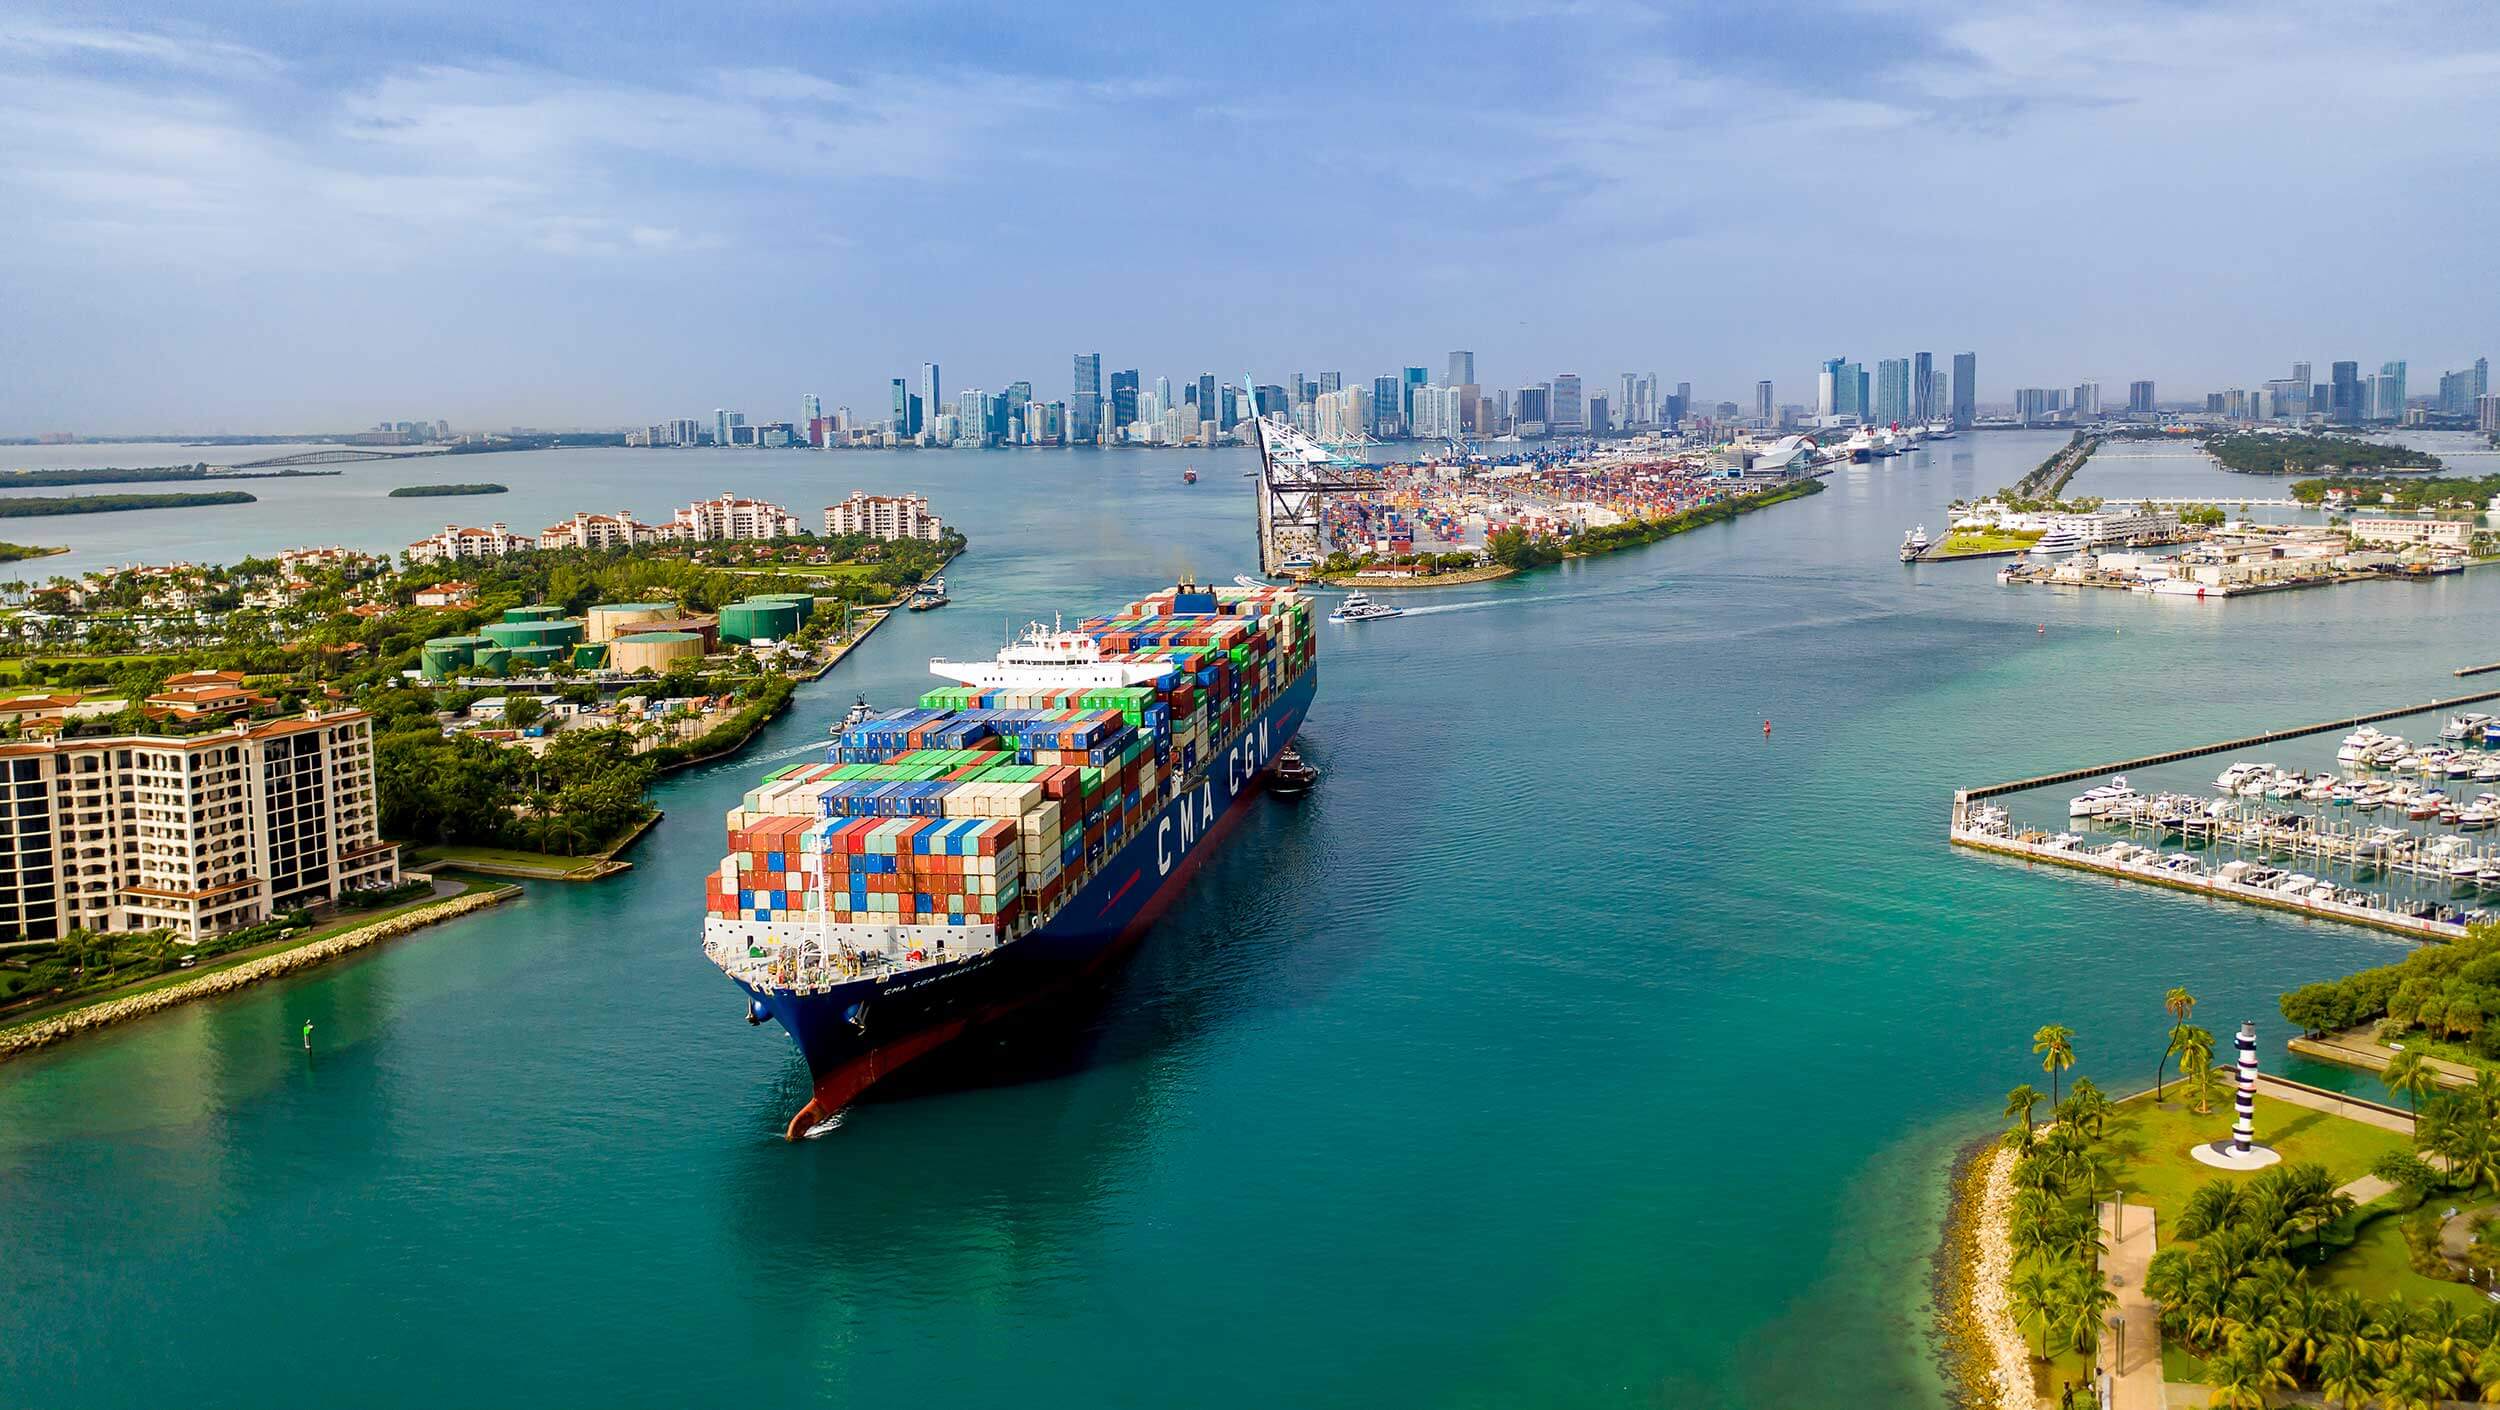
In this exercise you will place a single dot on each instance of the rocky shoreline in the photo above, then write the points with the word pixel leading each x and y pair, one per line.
pixel 1979 1343
pixel 28 1037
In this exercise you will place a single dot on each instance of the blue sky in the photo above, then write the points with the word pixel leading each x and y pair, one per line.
pixel 251 217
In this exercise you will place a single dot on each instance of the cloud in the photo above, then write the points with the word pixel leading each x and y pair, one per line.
pixel 30 37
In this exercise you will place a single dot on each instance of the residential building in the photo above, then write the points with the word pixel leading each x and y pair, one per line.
pixel 454 593
pixel 884 517
pixel 202 695
pixel 1892 391
pixel 196 834
pixel 2140 398
pixel 1567 413
pixel 2371 529
pixel 1124 397
pixel 1085 400
pixel 1923 386
pixel 733 517
pixel 1762 401
pixel 1965 389
pixel 456 542
pixel 2344 406
pixel 1388 397
pixel 599 531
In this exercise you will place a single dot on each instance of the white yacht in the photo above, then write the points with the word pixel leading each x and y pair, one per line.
pixel 1914 544
pixel 1940 430
pixel 1358 608
pixel 2061 538
pixel 2093 802
pixel 2464 727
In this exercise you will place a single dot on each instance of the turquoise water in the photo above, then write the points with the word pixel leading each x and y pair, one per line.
pixel 1573 1044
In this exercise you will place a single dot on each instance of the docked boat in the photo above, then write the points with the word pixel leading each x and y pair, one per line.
pixel 1359 608
pixel 2465 728
pixel 1914 544
pixel 1940 430
pixel 2061 538
pixel 931 594
pixel 2093 802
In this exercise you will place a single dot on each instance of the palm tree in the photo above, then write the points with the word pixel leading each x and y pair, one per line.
pixel 2206 1081
pixel 2196 1057
pixel 2487 1376
pixel 2088 1108
pixel 2180 1003
pixel 2241 1374
pixel 2409 1075
pixel 2081 1299
pixel 2035 1296
pixel 2019 1103
pixel 2347 1373
pixel 2055 1043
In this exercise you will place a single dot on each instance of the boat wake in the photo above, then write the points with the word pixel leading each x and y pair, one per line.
pixel 824 1127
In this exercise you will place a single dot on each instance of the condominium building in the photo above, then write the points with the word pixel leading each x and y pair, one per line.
pixel 587 530
pixel 197 835
pixel 884 517
pixel 455 542
pixel 731 517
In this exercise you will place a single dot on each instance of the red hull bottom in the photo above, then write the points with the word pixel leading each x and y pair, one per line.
pixel 842 1086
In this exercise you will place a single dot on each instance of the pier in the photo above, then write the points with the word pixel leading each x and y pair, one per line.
pixel 1993 831
pixel 2218 502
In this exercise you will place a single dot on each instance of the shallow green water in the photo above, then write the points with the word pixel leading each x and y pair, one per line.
pixel 1574 1044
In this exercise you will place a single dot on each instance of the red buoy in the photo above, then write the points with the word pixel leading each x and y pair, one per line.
pixel 1766 729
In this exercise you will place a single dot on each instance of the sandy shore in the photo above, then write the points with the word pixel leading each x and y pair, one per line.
pixel 1983 1346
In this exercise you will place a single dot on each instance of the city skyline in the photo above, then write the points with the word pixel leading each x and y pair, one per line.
pixel 239 221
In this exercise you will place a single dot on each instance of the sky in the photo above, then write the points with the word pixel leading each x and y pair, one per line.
pixel 281 216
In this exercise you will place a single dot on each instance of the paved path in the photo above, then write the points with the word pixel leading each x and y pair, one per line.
pixel 2358 1047
pixel 2138 1380
pixel 2275 1089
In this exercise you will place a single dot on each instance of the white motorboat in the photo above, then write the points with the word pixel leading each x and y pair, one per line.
pixel 1358 608
pixel 1914 544
pixel 2093 802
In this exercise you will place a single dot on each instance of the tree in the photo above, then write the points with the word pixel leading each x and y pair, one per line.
pixel 2018 1104
pixel 2347 1373
pixel 2179 1003
pixel 2409 1075
pixel 2035 1300
pixel 2409 1173
pixel 2055 1043
pixel 2081 1297
pixel 2242 1374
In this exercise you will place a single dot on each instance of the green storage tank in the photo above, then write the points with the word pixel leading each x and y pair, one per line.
pixel 537 658
pixel 491 660
pixel 511 634
pixel 446 656
pixel 804 601
pixel 543 612
pixel 758 620
pixel 590 656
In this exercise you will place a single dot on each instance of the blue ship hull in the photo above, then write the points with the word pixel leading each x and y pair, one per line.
pixel 855 1034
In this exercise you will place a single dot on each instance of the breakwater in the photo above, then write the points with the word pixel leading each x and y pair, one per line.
pixel 25 1038
pixel 2049 480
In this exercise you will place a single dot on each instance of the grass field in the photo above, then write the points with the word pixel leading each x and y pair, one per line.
pixel 2151 1144
pixel 2378 1262
pixel 547 862
pixel 1967 541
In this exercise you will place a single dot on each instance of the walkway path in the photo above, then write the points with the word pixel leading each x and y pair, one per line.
pixel 2138 1377
pixel 2359 1048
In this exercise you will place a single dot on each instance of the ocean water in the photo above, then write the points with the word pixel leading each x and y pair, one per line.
pixel 1575 1043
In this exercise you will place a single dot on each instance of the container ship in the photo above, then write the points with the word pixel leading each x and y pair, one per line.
pixel 949 864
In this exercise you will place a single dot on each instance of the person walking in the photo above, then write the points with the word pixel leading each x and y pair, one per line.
pixel 308 1035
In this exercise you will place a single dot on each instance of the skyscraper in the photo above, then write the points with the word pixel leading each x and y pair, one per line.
pixel 931 395
pixel 720 424
pixel 2391 380
pixel 811 409
pixel 901 420
pixel 1387 398
pixel 1123 397
pixel 1462 369
pixel 1085 399
pixel 1208 410
pixel 1965 389
pixel 2139 398
pixel 1923 386
pixel 1892 390
pixel 1566 410
pixel 1406 398
pixel 1762 409
pixel 2344 396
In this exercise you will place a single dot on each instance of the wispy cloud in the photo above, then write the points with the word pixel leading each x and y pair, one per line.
pixel 33 37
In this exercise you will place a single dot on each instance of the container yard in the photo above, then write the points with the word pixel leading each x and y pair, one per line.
pixel 1435 508
pixel 2395 828
pixel 1012 829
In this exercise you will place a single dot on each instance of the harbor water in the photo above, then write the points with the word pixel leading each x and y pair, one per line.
pixel 1576 1042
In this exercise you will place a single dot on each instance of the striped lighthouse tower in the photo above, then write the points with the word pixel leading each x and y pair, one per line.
pixel 2244 1128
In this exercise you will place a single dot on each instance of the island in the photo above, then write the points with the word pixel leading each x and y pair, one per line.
pixel 437 491
pixel 15 552
pixel 2431 493
pixel 146 474
pixel 45 506
pixel 2250 453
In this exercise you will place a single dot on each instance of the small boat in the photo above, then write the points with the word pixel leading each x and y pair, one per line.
pixel 1291 777
pixel 930 594
pixel 1189 475
pixel 1358 608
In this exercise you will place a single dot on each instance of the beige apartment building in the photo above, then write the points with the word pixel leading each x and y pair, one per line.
pixel 884 516
pixel 198 835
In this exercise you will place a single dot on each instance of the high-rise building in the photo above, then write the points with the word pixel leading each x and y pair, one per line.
pixel 1124 397
pixel 2140 398
pixel 1827 395
pixel 1762 401
pixel 1331 382
pixel 1406 400
pixel 2344 393
pixel 1943 394
pixel 1388 399
pixel 2033 404
pixel 1965 389
pixel 2391 378
pixel 1892 390
pixel 2087 400
pixel 2487 413
pixel 720 424
pixel 932 394
pixel 1923 386
pixel 811 409
pixel 1085 400
pixel 1208 409
pixel 1532 407
pixel 902 408
pixel 1462 368
pixel 1567 412
pixel 198 834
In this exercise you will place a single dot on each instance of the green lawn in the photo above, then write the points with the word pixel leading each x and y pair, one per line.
pixel 446 855
pixel 1962 541
pixel 2151 1145
pixel 2378 1262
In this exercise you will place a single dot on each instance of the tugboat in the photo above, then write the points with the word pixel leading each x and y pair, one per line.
pixel 1189 474
pixel 860 714
pixel 930 594
pixel 1291 777
pixel 1914 544
pixel 1358 608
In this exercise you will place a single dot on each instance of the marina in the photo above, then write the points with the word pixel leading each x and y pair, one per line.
pixel 2396 833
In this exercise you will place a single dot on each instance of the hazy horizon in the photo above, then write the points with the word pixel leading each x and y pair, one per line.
pixel 250 222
